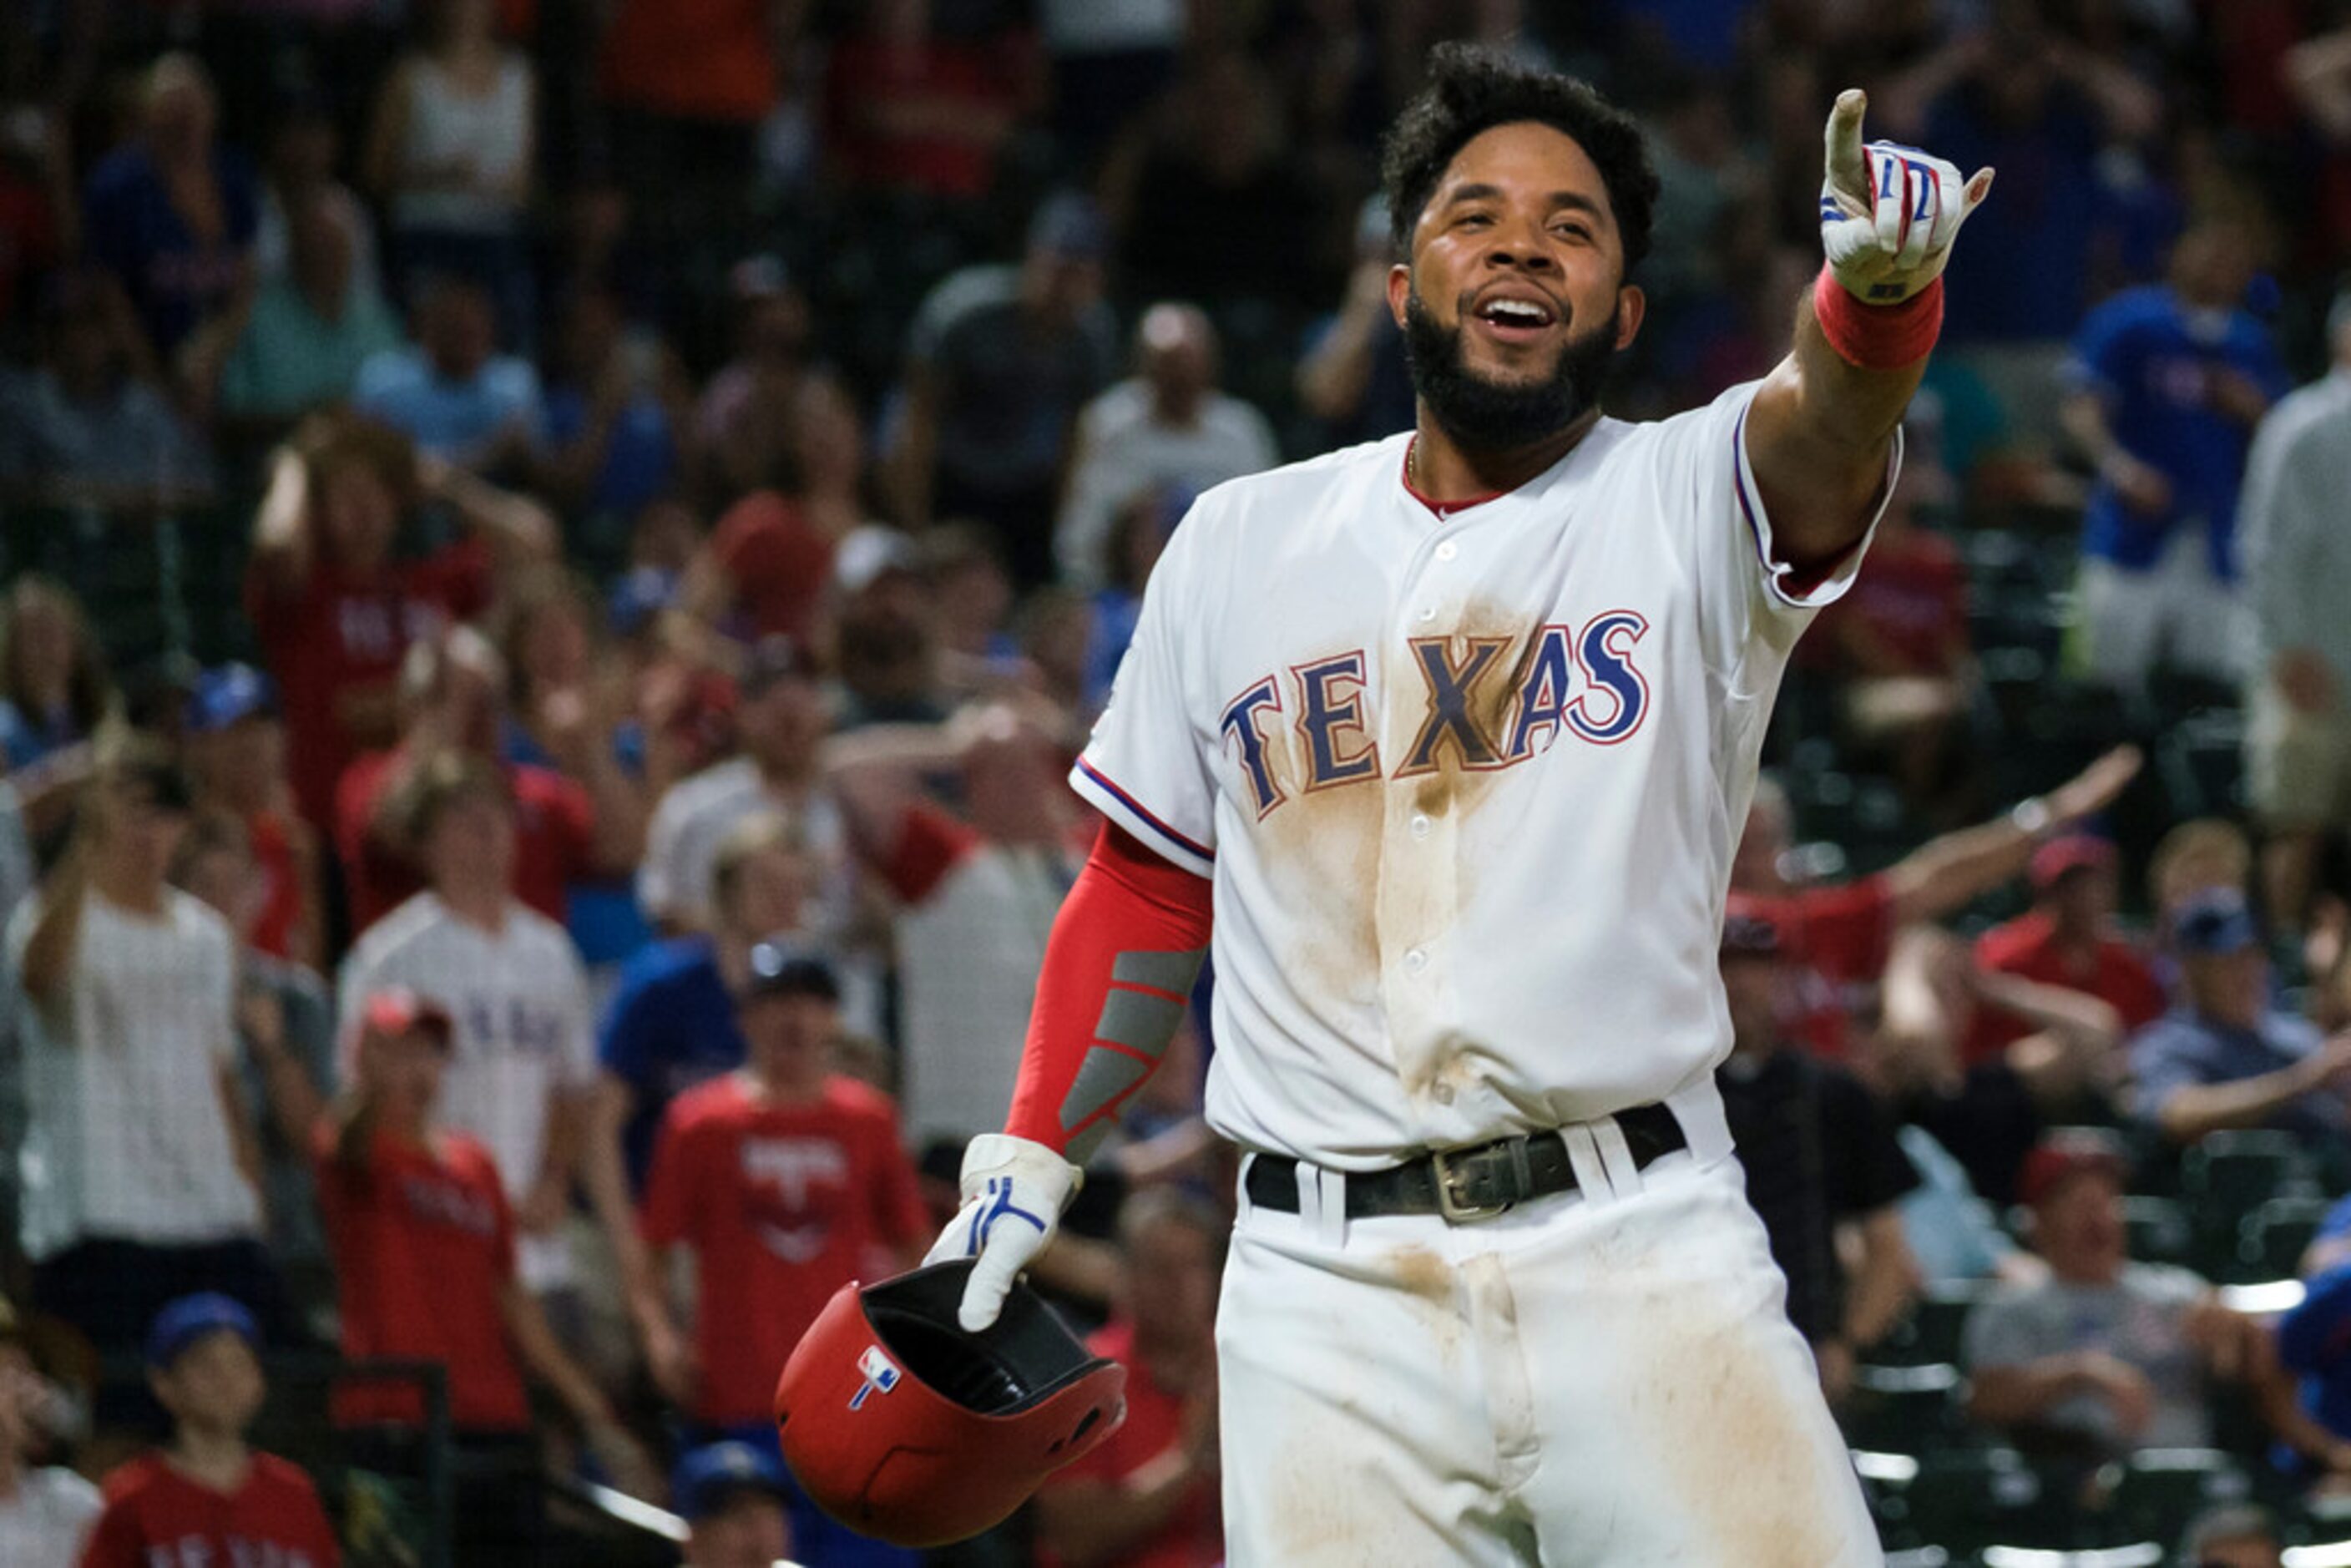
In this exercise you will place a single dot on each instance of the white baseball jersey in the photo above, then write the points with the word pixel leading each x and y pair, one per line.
pixel 519 999
pixel 1467 784
pixel 127 1138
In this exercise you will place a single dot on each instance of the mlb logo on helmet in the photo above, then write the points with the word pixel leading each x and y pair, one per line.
pixel 880 1375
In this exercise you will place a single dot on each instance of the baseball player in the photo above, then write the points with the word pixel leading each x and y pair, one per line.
pixel 1453 735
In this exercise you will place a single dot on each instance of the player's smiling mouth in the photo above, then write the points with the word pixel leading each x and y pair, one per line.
pixel 1516 315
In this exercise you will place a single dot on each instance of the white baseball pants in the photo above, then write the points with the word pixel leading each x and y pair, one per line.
pixel 1604 1379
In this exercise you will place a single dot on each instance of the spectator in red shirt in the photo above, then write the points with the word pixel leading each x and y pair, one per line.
pixel 235 748
pixel 207 1497
pixel 1148 1498
pixel 745 418
pixel 336 613
pixel 913 108
pixel 767 565
pixel 2067 939
pixel 568 827
pixel 424 1252
pixel 1838 935
pixel 786 1181
pixel 1899 641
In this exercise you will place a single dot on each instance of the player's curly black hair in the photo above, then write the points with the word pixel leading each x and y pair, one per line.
pixel 1472 90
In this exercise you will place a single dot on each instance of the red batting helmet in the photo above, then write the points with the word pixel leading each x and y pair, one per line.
pixel 904 1427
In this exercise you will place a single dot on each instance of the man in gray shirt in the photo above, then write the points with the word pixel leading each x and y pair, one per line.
pixel 2297 557
pixel 2106 1355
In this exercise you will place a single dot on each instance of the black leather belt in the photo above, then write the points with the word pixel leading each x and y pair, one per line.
pixel 1475 1183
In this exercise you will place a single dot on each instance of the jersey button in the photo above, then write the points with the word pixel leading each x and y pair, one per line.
pixel 1419 827
pixel 1416 961
pixel 1442 1093
pixel 1428 612
pixel 1448 550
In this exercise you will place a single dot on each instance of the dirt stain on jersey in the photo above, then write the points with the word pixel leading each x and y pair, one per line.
pixel 1326 848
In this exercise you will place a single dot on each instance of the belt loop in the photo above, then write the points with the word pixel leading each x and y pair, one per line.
pixel 1616 1155
pixel 1330 1222
pixel 1583 1154
pixel 1309 1196
pixel 1242 1207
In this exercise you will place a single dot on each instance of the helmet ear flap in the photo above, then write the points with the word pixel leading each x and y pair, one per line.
pixel 913 1431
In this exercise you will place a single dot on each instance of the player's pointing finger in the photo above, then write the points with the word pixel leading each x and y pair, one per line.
pixel 1846 159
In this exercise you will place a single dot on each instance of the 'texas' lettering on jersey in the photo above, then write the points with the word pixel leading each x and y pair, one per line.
pixel 1584 681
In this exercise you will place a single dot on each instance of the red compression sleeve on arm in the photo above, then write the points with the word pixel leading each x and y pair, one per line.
pixel 1877 337
pixel 1119 963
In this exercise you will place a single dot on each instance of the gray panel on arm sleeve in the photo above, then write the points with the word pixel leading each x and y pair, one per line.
pixel 1170 972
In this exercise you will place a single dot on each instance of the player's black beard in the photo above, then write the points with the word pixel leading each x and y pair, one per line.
pixel 1482 416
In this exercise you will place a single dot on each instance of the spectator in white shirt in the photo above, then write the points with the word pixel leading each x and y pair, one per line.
pixel 45 1510
pixel 141 1169
pixel 781 722
pixel 2297 557
pixel 1167 426
pixel 525 1057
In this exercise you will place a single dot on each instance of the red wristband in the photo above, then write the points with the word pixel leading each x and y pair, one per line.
pixel 1877 337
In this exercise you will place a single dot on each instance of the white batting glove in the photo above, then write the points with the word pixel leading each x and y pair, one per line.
pixel 1888 213
pixel 1013 1194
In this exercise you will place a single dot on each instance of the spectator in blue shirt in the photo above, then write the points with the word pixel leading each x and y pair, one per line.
pixel 2226 1056
pixel 2167 383
pixel 617 402
pixel 173 217
pixel 671 1022
pixel 451 391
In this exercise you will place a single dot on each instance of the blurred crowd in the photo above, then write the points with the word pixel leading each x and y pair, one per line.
pixel 692 468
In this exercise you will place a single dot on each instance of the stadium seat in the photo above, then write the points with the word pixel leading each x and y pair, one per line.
pixel 2272 1240
pixel 1903 1409
pixel 2228 1174
pixel 2160 1491
pixel 1964 1501
pixel 1931 1332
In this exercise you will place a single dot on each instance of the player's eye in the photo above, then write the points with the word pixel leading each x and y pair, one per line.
pixel 1577 232
pixel 1473 220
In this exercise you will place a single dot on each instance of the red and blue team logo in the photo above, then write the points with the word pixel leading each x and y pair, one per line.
pixel 880 1375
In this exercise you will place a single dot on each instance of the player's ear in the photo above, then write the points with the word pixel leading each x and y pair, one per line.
pixel 1632 305
pixel 1399 290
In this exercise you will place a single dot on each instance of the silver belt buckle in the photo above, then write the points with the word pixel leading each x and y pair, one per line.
pixel 1448 1203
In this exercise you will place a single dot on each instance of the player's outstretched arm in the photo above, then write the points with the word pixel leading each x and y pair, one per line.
pixel 1124 953
pixel 1821 424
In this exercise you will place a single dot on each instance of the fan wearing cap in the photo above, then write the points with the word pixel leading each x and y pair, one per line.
pixel 2106 1355
pixel 1840 936
pixel 1823 1170
pixel 764 568
pixel 2226 1056
pixel 426 1265
pixel 785 1181
pixel 206 1497
pixel 2067 939
pixel 732 1497
pixel 236 747
pixel 140 1163
pixel 46 1510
